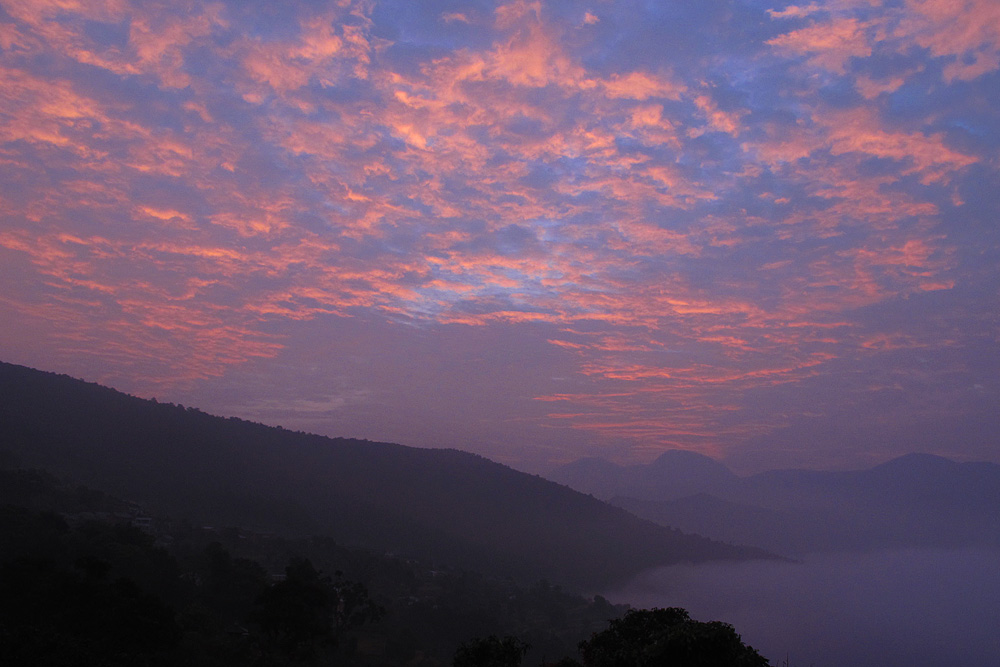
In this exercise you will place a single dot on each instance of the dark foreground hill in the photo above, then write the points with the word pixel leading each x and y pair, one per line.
pixel 433 504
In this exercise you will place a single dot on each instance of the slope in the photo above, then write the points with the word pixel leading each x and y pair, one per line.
pixel 444 505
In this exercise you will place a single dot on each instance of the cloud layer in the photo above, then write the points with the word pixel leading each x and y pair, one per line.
pixel 538 230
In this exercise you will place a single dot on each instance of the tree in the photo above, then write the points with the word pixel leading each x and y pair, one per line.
pixel 490 652
pixel 229 585
pixel 296 614
pixel 52 615
pixel 308 611
pixel 667 638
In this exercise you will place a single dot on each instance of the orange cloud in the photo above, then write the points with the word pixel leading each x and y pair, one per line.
pixel 828 45
pixel 858 130
pixel 642 86
pixel 967 31
pixel 722 121
pixel 678 237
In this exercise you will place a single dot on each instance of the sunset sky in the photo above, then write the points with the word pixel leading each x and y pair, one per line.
pixel 535 231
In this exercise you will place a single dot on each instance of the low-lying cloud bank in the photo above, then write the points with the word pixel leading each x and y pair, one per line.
pixel 912 608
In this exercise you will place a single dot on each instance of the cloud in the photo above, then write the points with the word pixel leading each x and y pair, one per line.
pixel 676 207
pixel 967 36
pixel 828 45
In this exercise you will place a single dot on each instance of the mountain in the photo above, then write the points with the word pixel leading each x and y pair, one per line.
pixel 674 474
pixel 434 504
pixel 917 500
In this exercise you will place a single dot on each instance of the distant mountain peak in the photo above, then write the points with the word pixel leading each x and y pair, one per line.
pixel 916 461
pixel 673 474
pixel 443 505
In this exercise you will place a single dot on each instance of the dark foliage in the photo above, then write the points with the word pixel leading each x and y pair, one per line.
pixel 307 611
pixel 80 585
pixel 667 638
pixel 490 651
pixel 228 586
pixel 227 610
pixel 440 505
pixel 52 615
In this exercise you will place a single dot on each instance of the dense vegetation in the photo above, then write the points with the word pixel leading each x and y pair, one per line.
pixel 655 637
pixel 240 544
pixel 82 583
pixel 441 506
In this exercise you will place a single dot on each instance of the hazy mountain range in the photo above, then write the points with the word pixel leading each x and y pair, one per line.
pixel 914 500
pixel 440 505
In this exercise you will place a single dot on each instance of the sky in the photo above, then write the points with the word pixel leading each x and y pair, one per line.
pixel 532 230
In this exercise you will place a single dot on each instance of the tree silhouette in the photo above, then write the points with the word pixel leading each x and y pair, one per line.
pixel 51 615
pixel 490 652
pixel 667 638
pixel 308 612
pixel 295 615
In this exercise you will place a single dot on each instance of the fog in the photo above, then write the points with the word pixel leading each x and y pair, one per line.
pixel 912 608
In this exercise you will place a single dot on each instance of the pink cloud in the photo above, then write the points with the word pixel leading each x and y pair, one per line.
pixel 452 17
pixel 828 45
pixel 967 31
pixel 674 234
pixel 859 130
pixel 642 86
pixel 722 121
pixel 794 11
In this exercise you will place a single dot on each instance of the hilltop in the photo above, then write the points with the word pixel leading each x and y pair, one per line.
pixel 439 505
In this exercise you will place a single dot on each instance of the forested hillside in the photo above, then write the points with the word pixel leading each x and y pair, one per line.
pixel 438 505
pixel 87 578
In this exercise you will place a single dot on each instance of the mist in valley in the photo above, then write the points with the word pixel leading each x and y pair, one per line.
pixel 904 607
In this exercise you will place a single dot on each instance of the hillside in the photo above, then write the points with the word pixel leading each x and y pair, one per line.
pixel 444 505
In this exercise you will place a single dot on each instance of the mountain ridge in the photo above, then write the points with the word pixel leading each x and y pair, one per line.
pixel 673 474
pixel 915 500
pixel 436 504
